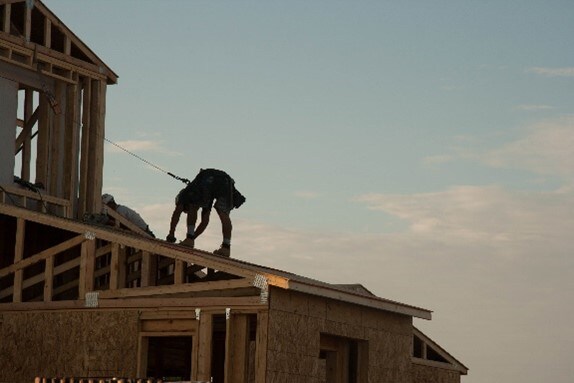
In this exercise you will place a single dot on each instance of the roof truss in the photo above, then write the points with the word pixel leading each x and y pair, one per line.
pixel 117 265
pixel 428 352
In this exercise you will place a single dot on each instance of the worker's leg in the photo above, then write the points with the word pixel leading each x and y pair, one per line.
pixel 226 228
pixel 191 220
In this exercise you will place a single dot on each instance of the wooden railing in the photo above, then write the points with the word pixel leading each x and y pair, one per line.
pixel 35 201
pixel 87 258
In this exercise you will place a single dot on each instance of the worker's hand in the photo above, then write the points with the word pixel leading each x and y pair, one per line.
pixel 170 238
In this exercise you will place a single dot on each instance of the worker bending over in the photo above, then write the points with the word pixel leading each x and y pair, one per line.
pixel 129 214
pixel 208 186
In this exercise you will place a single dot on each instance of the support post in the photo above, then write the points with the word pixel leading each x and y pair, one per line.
pixel 205 334
pixel 87 265
pixel 237 349
pixel 18 256
pixel 261 347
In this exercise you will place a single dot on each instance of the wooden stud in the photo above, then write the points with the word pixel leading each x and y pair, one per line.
pixel 203 352
pixel 71 146
pixel 179 272
pixel 28 22
pixel 148 270
pixel 86 282
pixel 261 347
pixel 237 349
pixel 67 44
pixel 57 144
pixel 85 147
pixel 47 32
pixel 49 279
pixel 18 256
pixel 42 145
pixel 7 17
pixel 96 151
pixel 117 267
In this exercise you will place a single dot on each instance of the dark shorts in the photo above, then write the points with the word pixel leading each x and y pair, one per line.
pixel 208 186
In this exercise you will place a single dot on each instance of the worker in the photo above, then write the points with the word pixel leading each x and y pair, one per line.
pixel 208 186
pixel 129 214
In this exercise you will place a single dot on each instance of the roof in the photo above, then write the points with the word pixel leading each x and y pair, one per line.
pixel 33 26
pixel 435 355
pixel 259 275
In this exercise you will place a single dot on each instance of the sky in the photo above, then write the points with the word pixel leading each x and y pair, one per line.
pixel 421 148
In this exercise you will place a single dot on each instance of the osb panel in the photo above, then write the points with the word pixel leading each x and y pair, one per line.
pixel 428 374
pixel 288 332
pixel 384 320
pixel 296 321
pixel 285 377
pixel 293 364
pixel 390 375
pixel 317 307
pixel 389 350
pixel 289 301
pixel 81 343
pixel 343 312
pixel 344 329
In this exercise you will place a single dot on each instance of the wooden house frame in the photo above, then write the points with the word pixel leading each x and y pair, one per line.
pixel 88 300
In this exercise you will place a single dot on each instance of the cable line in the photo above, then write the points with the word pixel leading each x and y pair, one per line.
pixel 184 180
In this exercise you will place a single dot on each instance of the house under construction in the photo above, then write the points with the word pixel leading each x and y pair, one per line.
pixel 79 299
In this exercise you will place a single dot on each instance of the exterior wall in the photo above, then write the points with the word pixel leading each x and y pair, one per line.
pixel 74 343
pixel 425 374
pixel 296 321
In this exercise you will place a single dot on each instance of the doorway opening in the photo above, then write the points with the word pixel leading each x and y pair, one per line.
pixel 169 358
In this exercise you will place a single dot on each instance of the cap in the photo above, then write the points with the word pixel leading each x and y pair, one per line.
pixel 107 198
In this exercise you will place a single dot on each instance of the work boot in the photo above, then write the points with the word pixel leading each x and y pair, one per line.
pixel 189 242
pixel 223 252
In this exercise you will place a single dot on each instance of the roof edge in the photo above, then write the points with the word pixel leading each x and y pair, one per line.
pixel 362 300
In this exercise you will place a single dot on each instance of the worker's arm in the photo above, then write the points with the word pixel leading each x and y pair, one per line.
pixel 204 222
pixel 173 223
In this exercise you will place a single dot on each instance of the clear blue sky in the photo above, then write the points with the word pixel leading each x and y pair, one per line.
pixel 422 148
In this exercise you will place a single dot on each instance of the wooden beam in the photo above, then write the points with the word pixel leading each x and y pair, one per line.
pixel 28 22
pixel 56 145
pixel 201 366
pixel 117 267
pixel 87 264
pixel 49 279
pixel 179 272
pixel 71 144
pixel 237 348
pixel 148 275
pixel 43 255
pixel 261 347
pixel 25 134
pixel 239 304
pixel 47 33
pixel 85 148
pixel 43 140
pixel 176 289
pixel 18 256
pixel 7 17
pixel 96 153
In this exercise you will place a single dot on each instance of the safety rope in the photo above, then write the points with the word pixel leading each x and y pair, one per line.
pixel 184 180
